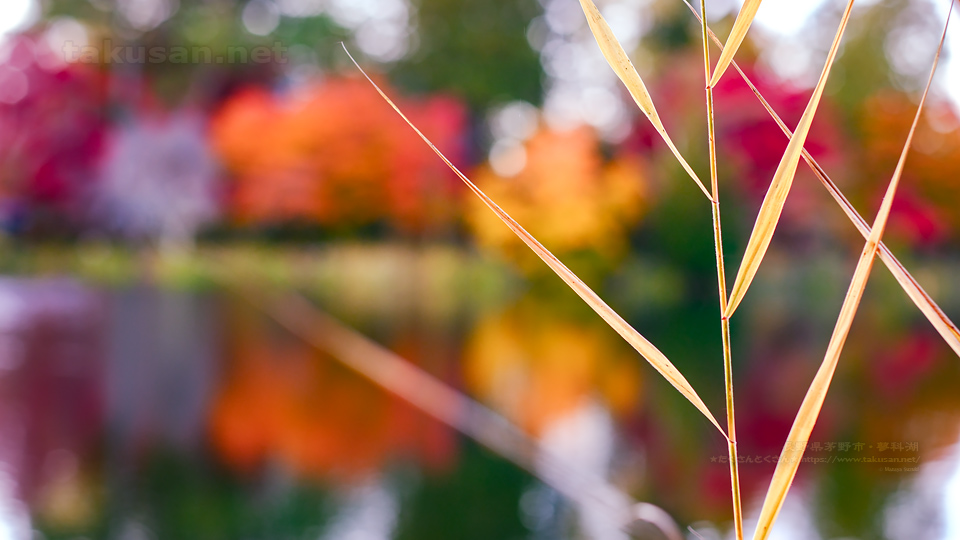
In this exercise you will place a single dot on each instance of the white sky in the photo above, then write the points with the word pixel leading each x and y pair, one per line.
pixel 786 17
pixel 15 14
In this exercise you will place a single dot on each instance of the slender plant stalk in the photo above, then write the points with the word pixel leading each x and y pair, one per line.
pixel 772 207
pixel 722 288
pixel 809 411
pixel 627 332
pixel 940 321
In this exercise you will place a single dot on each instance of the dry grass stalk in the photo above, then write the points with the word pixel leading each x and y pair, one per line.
pixel 776 195
pixel 757 245
pixel 623 67
pixel 813 401
pixel 739 31
pixel 941 322
pixel 722 290
pixel 646 349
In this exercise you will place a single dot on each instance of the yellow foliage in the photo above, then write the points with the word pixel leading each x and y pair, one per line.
pixel 536 369
pixel 566 196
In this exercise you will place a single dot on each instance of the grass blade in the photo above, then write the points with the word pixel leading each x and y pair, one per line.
pixel 722 291
pixel 813 401
pixel 744 19
pixel 623 67
pixel 646 349
pixel 940 321
pixel 927 305
pixel 776 195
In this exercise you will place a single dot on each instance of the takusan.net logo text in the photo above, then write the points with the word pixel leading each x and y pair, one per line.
pixel 108 52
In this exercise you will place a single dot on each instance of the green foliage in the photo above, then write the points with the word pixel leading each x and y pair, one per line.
pixel 478 501
pixel 186 499
pixel 476 49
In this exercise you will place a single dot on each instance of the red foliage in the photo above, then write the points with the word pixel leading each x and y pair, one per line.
pixel 751 139
pixel 51 129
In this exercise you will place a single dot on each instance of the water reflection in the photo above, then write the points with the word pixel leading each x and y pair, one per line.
pixel 145 412
pixel 539 367
pixel 926 506
pixel 163 367
pixel 585 436
pixel 368 512
pixel 282 401
pixel 51 407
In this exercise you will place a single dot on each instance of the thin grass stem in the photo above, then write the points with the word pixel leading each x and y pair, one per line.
pixel 722 289
pixel 940 321
pixel 646 349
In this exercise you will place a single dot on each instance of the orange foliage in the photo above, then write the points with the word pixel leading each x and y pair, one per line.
pixel 336 154
pixel 931 191
pixel 536 369
pixel 566 196
pixel 285 402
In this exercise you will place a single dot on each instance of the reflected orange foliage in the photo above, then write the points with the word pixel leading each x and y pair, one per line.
pixel 285 402
pixel 566 196
pixel 535 368
pixel 335 154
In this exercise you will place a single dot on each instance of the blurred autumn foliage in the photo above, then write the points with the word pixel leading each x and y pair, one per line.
pixel 281 401
pixel 537 367
pixel 52 127
pixel 567 195
pixel 925 213
pixel 101 161
pixel 336 154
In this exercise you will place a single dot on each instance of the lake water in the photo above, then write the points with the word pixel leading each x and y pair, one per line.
pixel 140 411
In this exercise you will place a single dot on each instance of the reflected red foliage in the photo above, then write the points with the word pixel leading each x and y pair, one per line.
pixel 898 370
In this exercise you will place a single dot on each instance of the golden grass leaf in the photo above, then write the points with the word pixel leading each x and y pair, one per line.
pixel 646 349
pixel 813 401
pixel 776 195
pixel 623 67
pixel 744 19
pixel 927 305
pixel 940 321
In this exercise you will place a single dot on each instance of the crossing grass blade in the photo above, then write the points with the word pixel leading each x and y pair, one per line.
pixel 927 305
pixel 924 302
pixel 776 195
pixel 940 321
pixel 744 19
pixel 813 401
pixel 646 349
pixel 623 67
